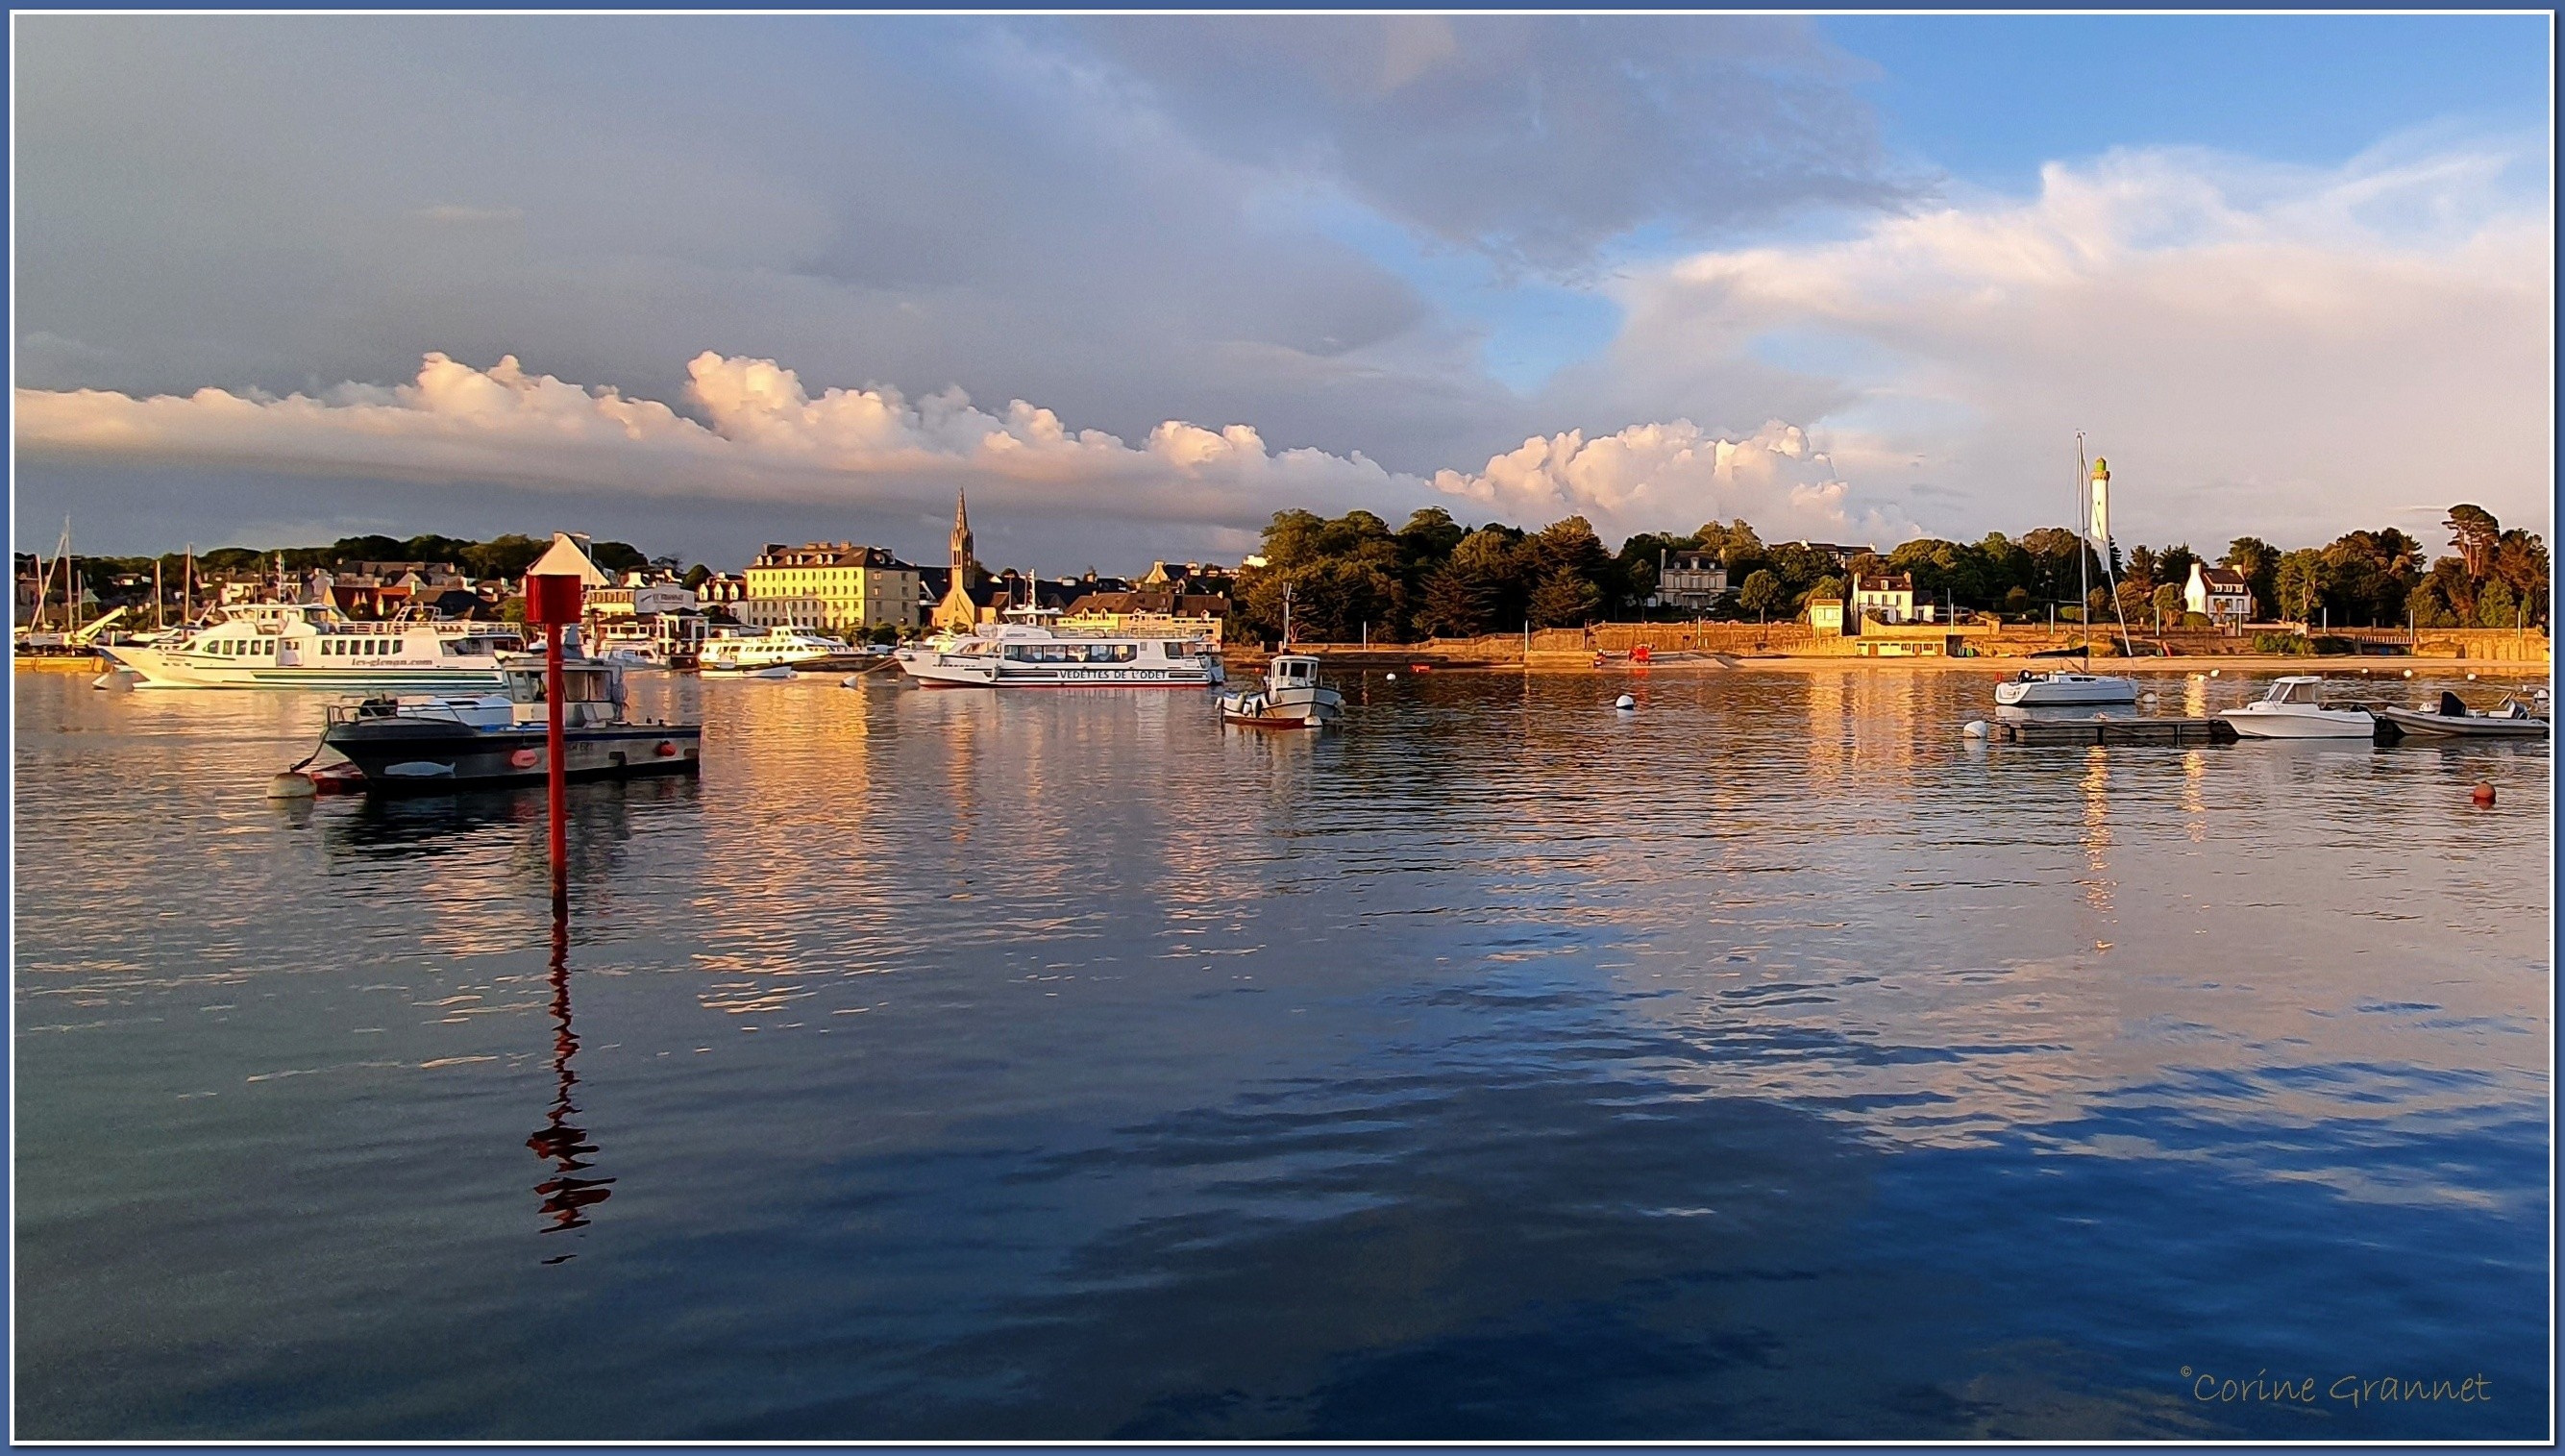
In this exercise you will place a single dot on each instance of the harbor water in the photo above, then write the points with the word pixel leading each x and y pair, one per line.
pixel 1767 1062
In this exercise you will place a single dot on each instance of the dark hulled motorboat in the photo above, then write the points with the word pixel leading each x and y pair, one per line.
pixel 418 742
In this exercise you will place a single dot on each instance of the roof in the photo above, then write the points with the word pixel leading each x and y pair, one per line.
pixel 830 553
pixel 567 557
pixel 1896 583
pixel 1169 603
pixel 2231 580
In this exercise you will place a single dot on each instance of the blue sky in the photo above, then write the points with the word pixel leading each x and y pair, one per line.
pixel 1987 100
pixel 1845 274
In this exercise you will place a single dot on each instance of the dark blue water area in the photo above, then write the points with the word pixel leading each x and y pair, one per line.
pixel 946 1069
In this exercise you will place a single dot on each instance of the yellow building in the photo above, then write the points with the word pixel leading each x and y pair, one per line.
pixel 831 584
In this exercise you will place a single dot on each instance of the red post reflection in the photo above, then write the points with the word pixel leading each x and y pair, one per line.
pixel 565 1195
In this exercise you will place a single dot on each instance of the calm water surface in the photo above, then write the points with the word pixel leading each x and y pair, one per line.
pixel 1770 1063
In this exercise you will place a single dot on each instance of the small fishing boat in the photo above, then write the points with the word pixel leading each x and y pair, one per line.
pixel 1291 697
pixel 2509 718
pixel 2294 708
pixel 427 742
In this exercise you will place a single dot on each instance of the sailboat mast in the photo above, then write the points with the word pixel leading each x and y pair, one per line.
pixel 2084 544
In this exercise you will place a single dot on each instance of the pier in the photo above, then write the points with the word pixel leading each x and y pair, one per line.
pixel 2112 732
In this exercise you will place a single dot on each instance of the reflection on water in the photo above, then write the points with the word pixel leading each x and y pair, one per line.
pixel 566 1197
pixel 1768 1062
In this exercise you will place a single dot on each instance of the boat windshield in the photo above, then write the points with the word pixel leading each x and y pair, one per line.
pixel 2292 692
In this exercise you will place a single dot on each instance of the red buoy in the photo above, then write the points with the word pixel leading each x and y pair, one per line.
pixel 2484 795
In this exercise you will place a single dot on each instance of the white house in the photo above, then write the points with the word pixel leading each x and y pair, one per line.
pixel 2219 594
pixel 1891 598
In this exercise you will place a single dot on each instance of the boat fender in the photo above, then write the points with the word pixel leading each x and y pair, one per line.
pixel 2484 795
pixel 665 749
pixel 525 758
pixel 290 785
pixel 1626 703
pixel 1976 728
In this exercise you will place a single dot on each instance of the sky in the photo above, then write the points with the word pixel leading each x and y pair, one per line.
pixel 1137 283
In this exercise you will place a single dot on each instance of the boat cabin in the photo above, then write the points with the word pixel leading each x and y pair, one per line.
pixel 2301 690
pixel 1293 671
pixel 591 691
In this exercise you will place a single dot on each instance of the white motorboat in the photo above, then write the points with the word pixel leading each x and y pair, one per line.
pixel 313 645
pixel 1291 697
pixel 2294 708
pixel 779 647
pixel 2509 718
pixel 1015 654
pixel 2064 690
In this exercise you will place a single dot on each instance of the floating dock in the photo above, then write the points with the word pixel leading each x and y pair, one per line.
pixel 2112 732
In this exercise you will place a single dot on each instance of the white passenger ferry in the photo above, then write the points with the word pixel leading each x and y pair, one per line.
pixel 779 647
pixel 308 645
pixel 1017 654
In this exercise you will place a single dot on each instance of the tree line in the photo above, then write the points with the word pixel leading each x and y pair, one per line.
pixel 505 556
pixel 1354 575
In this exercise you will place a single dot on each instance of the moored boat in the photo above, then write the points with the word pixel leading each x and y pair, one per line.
pixel 2064 690
pixel 1015 654
pixel 1291 697
pixel 428 742
pixel 2453 718
pixel 781 646
pixel 2294 708
pixel 313 645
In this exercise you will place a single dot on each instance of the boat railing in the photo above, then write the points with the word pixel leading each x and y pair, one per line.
pixel 370 709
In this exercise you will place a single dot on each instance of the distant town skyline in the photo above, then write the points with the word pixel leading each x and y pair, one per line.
pixel 1141 282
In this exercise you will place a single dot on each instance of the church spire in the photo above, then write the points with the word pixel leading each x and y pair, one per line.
pixel 961 535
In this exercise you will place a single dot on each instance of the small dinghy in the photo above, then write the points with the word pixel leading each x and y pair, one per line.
pixel 2509 718
pixel 776 674
pixel 1291 697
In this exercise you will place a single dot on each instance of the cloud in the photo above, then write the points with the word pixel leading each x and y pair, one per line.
pixel 1537 138
pixel 1676 475
pixel 2284 351
pixel 755 433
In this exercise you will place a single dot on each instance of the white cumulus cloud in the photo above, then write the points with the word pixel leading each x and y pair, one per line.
pixel 2292 351
pixel 751 431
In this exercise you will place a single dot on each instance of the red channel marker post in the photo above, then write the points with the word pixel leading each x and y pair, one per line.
pixel 552 602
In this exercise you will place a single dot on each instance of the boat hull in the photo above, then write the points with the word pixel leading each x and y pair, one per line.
pixel 399 755
pixel 2072 694
pixel 2322 723
pixel 157 668
pixel 1017 674
pixel 2414 723
pixel 1289 705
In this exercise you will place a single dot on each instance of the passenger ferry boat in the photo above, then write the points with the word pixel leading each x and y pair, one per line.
pixel 310 645
pixel 778 646
pixel 1021 655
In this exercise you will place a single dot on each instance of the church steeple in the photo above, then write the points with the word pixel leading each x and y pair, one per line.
pixel 962 562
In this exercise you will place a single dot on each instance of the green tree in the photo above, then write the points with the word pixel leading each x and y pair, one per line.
pixel 696 576
pixel 1566 598
pixel 1455 603
pixel 2166 599
pixel 2298 582
pixel 2497 606
pixel 1761 594
pixel 2258 562
pixel 2475 533
pixel 618 557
